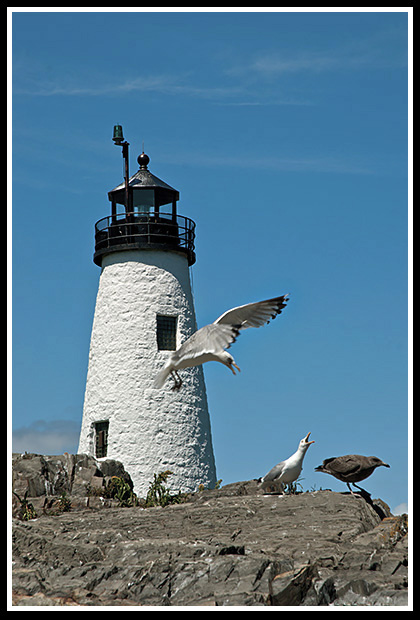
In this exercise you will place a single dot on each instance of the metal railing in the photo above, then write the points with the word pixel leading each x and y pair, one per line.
pixel 144 230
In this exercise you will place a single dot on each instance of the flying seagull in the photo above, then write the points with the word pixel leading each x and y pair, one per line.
pixel 209 343
pixel 289 470
pixel 351 468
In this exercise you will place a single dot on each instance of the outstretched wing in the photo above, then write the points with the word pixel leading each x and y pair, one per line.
pixel 212 338
pixel 254 314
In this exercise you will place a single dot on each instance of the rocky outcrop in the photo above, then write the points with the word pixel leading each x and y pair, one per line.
pixel 229 546
pixel 45 478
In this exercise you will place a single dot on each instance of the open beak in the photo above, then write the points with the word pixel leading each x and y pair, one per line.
pixel 307 438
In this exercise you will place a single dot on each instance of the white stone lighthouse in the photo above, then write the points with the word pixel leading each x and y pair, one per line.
pixel 144 310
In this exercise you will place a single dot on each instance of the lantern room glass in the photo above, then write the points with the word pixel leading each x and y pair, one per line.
pixel 143 201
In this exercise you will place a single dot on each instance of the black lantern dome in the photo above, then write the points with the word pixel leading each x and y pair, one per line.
pixel 144 216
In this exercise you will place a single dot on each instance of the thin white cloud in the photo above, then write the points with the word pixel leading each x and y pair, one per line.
pixel 275 63
pixel 42 437
pixel 266 102
pixel 162 84
pixel 52 88
pixel 290 164
pixel 400 509
pixel 382 50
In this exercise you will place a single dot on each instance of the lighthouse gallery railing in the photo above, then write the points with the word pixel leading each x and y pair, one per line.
pixel 145 230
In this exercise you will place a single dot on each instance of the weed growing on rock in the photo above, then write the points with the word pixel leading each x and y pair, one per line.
pixel 115 488
pixel 120 490
pixel 159 495
pixel 27 510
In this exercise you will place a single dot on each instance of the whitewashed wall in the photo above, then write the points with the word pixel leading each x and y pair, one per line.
pixel 149 430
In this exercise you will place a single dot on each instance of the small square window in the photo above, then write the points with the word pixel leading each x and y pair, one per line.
pixel 101 439
pixel 166 332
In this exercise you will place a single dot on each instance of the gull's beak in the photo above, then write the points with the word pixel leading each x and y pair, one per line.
pixel 307 438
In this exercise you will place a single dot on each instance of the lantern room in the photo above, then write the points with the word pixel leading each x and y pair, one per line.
pixel 143 214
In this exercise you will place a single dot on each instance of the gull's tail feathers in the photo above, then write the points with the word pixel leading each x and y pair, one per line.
pixel 161 377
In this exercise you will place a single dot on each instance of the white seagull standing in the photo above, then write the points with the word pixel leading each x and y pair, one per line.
pixel 289 470
pixel 209 343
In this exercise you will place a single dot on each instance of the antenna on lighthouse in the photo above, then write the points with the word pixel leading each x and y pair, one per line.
pixel 118 139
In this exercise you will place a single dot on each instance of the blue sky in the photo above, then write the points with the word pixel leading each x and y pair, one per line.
pixel 286 135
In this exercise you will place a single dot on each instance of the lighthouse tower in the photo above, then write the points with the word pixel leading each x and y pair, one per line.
pixel 144 310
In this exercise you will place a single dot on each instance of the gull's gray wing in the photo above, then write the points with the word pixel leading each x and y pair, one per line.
pixel 211 338
pixel 254 314
pixel 275 472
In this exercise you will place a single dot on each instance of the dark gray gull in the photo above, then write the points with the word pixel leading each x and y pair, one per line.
pixel 351 468
pixel 209 343
pixel 289 470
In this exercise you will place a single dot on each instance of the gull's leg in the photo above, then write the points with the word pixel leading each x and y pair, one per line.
pixel 351 491
pixel 231 367
pixel 177 379
pixel 363 491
